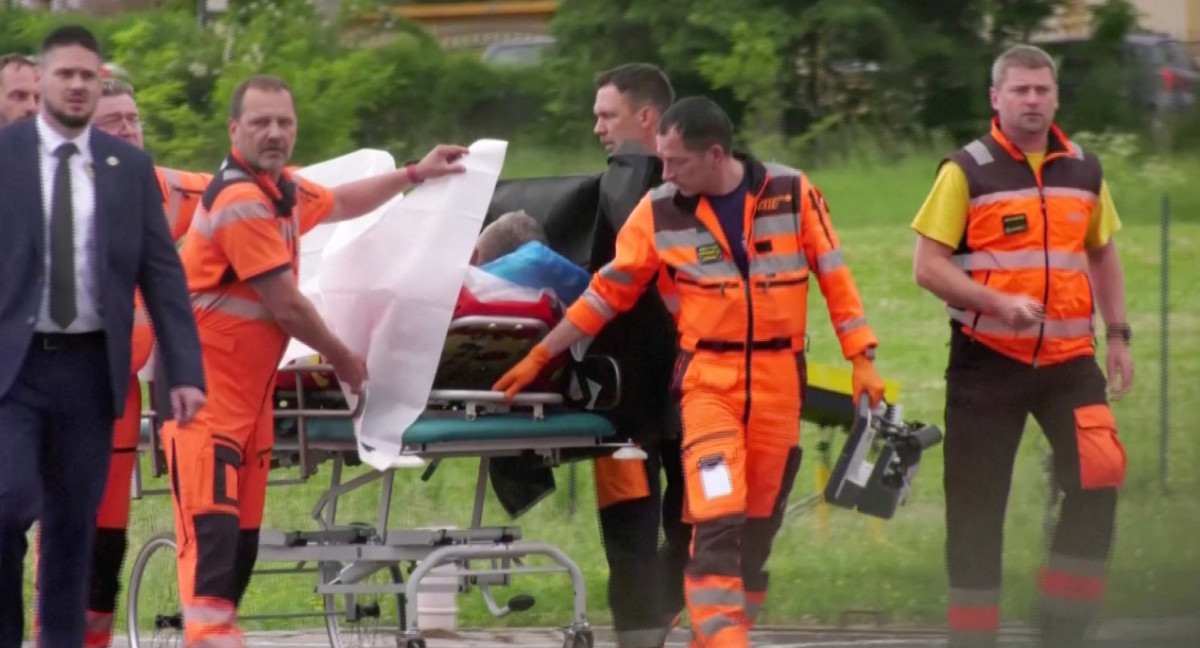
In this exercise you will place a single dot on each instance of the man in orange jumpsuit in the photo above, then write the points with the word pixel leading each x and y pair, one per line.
pixel 117 114
pixel 738 239
pixel 241 255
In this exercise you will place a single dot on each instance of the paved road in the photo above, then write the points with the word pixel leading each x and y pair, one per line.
pixel 1177 633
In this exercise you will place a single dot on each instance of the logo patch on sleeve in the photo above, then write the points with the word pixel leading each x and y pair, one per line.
pixel 709 253
pixel 1015 223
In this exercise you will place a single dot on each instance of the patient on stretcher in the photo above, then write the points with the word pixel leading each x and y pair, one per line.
pixel 513 273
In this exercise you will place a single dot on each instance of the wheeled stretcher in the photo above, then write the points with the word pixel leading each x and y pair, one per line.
pixel 359 568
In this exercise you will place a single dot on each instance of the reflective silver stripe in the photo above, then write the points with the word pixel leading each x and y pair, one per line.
pixel 715 624
pixel 1021 260
pixel 830 261
pixel 598 304
pixel 780 171
pixel 990 325
pixel 980 152
pixel 1062 607
pixel 1078 150
pixel 230 305
pixel 777 263
pixel 778 224
pixel 1077 566
pixel 238 211
pixel 647 638
pixel 210 615
pixel 228 174
pixel 612 274
pixel 691 238
pixel 219 641
pixel 753 609
pixel 671 302
pixel 850 325
pixel 1003 196
pixel 973 597
pixel 140 316
pixel 1068 192
pixel 720 270
pixel 98 622
pixel 174 200
pixel 716 596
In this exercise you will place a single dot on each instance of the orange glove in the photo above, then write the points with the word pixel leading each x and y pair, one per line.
pixel 524 372
pixel 865 379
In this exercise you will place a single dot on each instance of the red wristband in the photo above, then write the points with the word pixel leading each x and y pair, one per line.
pixel 410 170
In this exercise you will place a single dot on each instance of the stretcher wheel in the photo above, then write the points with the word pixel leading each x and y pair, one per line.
pixel 154 616
pixel 363 620
pixel 579 639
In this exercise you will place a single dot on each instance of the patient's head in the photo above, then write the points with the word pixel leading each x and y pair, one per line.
pixel 504 235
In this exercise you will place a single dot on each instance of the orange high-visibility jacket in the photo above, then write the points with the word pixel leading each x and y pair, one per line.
pixel 1025 236
pixel 788 235
pixel 181 192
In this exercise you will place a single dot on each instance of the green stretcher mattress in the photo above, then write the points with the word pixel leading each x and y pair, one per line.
pixel 436 429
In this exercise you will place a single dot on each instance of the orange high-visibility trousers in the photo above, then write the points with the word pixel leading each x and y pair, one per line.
pixel 218 466
pixel 741 436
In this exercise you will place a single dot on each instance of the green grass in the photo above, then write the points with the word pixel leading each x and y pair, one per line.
pixel 824 562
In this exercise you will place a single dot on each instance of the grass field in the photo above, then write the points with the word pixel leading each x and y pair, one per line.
pixel 827 562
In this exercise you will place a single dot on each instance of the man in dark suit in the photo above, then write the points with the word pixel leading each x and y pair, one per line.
pixel 83 226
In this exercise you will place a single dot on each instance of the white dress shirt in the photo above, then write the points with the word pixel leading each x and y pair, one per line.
pixel 83 206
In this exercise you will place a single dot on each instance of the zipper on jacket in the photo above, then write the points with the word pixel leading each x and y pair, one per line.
pixel 749 290
pixel 1037 347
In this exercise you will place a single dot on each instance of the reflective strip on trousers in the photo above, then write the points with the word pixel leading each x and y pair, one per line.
pixel 646 638
pixel 973 598
pixel 716 596
pixel 1004 196
pixel 991 325
pixel 230 305
pixel 1087 567
pixel 715 623
pixel 830 261
pixel 99 622
pixel 219 641
pixel 210 615
pixel 753 609
pixel 1021 260
pixel 140 316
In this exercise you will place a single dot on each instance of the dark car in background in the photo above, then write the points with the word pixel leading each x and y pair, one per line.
pixel 1159 71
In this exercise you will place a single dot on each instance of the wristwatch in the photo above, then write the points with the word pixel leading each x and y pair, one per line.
pixel 1122 332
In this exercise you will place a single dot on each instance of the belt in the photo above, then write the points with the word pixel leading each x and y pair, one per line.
pixel 723 346
pixel 63 341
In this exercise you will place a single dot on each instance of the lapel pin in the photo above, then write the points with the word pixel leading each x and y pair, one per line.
pixel 112 160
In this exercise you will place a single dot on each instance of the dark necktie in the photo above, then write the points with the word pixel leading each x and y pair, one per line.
pixel 62 241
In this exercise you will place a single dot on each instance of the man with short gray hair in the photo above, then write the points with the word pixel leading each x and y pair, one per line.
pixel 505 234
pixel 18 88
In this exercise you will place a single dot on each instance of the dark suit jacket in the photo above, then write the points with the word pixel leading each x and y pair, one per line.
pixel 133 249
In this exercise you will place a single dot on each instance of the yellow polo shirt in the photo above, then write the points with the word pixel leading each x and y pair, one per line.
pixel 943 217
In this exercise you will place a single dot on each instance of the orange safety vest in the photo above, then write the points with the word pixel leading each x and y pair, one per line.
pixel 1025 236
pixel 181 192
pixel 788 235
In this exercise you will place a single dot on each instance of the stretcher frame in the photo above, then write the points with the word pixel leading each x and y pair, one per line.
pixel 347 555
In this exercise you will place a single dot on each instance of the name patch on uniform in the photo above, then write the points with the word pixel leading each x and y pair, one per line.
pixel 762 246
pixel 708 253
pixel 715 479
pixel 1015 223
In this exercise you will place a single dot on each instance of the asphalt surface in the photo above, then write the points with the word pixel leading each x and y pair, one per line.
pixel 1173 633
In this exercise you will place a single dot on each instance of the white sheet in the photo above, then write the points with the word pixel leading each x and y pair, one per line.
pixel 387 283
